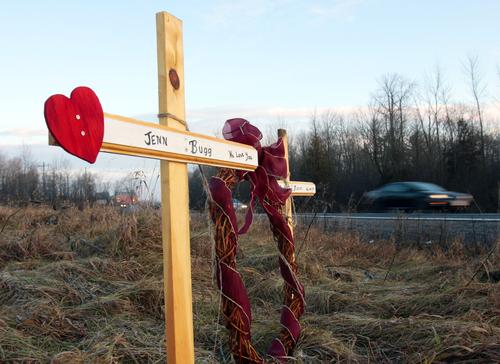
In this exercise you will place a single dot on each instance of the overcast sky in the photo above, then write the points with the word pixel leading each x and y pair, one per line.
pixel 261 59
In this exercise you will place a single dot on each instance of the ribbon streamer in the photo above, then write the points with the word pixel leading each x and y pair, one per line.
pixel 264 187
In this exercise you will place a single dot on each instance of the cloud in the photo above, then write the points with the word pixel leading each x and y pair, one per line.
pixel 492 113
pixel 337 9
pixel 268 113
pixel 226 12
pixel 23 132
pixel 209 120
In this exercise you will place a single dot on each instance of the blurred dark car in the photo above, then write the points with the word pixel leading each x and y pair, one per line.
pixel 238 205
pixel 410 196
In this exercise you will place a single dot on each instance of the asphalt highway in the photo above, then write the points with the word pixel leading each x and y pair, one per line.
pixel 485 217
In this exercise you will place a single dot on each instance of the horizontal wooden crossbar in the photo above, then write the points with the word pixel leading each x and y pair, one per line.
pixel 300 188
pixel 128 136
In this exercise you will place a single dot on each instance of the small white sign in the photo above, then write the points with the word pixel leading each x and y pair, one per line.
pixel 300 188
pixel 128 136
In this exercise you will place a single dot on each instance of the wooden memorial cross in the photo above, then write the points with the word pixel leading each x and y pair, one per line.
pixel 170 142
pixel 298 188
pixel 174 146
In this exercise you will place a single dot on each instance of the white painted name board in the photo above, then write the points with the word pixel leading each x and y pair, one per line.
pixel 300 188
pixel 134 137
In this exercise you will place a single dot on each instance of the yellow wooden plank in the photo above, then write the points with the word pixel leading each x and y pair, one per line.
pixel 302 194
pixel 173 157
pixel 288 205
pixel 175 197
pixel 182 131
pixel 242 163
pixel 297 191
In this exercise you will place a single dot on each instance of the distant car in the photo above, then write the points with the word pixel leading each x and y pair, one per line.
pixel 410 196
pixel 238 205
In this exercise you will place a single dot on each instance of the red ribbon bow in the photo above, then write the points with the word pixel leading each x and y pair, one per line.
pixel 272 196
pixel 272 165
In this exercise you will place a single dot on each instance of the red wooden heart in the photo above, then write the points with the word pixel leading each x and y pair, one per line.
pixel 76 123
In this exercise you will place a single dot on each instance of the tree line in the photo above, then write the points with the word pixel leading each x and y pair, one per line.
pixel 406 133
pixel 23 180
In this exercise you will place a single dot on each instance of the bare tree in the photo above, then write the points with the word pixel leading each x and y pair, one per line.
pixel 391 106
pixel 270 133
pixel 478 90
pixel 433 119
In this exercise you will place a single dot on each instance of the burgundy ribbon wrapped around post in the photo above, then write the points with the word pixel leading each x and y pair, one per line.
pixel 272 197
pixel 272 165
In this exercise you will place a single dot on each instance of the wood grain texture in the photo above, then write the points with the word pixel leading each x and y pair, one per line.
pixel 158 141
pixel 182 131
pixel 172 157
pixel 124 135
pixel 175 199
pixel 300 189
pixel 288 205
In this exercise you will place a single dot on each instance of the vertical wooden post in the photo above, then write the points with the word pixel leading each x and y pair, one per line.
pixel 288 206
pixel 174 197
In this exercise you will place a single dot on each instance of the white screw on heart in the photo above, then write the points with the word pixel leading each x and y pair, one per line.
pixel 77 116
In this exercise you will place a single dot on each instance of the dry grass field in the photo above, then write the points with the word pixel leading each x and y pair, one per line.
pixel 86 287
